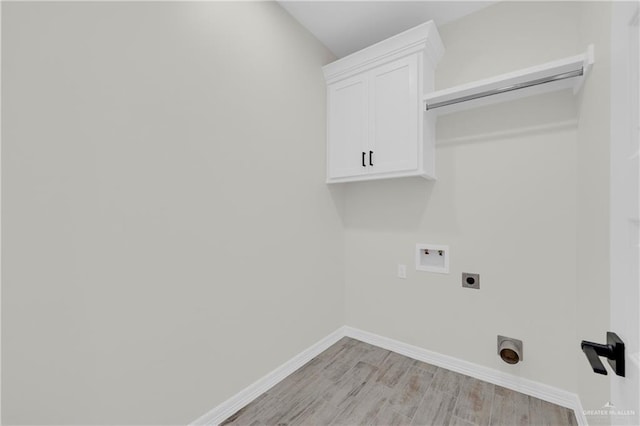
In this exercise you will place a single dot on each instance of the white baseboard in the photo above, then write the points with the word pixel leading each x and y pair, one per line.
pixel 509 381
pixel 251 392
pixel 528 387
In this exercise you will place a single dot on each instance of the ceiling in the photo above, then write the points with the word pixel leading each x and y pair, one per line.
pixel 347 26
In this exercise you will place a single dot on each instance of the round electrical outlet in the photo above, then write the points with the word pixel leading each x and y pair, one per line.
pixel 470 280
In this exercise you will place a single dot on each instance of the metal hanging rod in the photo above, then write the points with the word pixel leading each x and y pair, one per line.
pixel 506 89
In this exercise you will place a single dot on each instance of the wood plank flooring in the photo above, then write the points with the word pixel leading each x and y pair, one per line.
pixel 354 383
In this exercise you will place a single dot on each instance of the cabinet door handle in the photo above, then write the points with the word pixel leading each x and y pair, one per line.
pixel 371 158
pixel 363 163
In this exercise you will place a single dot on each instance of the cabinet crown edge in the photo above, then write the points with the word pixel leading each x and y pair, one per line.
pixel 424 37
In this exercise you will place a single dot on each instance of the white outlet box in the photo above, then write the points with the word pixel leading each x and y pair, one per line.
pixel 402 271
pixel 432 258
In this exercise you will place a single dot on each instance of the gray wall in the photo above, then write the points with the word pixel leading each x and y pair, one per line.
pixel 167 234
pixel 512 200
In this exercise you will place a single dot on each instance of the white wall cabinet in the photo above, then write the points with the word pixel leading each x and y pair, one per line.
pixel 376 127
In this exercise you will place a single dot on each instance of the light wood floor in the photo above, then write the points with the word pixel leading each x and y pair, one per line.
pixel 354 383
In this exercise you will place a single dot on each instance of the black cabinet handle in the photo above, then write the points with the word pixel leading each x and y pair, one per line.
pixel 371 158
pixel 363 163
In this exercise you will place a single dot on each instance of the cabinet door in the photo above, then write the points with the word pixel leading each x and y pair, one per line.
pixel 347 127
pixel 394 112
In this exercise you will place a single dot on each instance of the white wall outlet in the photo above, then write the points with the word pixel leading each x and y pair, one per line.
pixel 402 271
pixel 432 258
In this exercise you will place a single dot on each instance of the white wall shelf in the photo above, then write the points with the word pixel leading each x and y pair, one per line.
pixel 567 73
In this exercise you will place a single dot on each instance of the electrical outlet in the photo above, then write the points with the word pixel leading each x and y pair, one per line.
pixel 402 271
pixel 470 280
